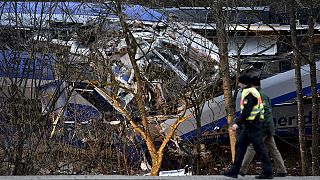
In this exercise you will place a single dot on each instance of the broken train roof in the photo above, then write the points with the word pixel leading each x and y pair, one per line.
pixel 37 13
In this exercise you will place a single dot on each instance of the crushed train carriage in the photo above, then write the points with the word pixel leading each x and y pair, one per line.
pixel 167 48
pixel 177 53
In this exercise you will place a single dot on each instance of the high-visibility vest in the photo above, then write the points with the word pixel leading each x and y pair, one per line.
pixel 258 108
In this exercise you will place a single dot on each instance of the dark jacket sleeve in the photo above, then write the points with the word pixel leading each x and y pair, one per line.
pixel 268 119
pixel 251 101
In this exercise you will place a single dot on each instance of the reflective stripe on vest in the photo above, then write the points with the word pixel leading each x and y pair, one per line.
pixel 257 108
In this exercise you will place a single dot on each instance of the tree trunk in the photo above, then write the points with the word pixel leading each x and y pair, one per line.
pixel 239 49
pixel 144 131
pixel 156 164
pixel 315 106
pixel 224 65
pixel 198 112
pixel 300 109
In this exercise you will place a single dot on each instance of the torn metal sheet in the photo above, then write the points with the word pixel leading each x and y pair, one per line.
pixel 179 73
pixel 253 46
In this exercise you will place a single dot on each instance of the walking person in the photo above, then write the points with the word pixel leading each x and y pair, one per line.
pixel 252 112
pixel 268 139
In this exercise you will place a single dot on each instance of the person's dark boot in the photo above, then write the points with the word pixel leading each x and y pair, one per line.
pixel 242 174
pixel 229 173
pixel 262 176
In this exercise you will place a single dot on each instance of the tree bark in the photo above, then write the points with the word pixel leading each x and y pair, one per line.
pixel 315 106
pixel 198 113
pixel 224 65
pixel 300 109
pixel 156 164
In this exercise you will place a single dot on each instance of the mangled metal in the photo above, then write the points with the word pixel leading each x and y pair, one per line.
pixel 170 58
pixel 160 57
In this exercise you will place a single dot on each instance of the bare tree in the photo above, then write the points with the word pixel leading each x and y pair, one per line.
pixel 224 65
pixel 142 128
pixel 313 78
pixel 297 64
pixel 38 72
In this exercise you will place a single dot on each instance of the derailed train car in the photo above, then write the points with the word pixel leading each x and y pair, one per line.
pixel 170 49
pixel 177 53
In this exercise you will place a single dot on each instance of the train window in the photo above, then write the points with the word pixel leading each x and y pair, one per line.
pixel 285 66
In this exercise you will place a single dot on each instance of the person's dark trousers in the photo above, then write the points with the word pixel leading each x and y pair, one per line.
pixel 251 134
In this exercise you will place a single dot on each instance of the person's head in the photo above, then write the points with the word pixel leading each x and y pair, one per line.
pixel 244 80
pixel 255 81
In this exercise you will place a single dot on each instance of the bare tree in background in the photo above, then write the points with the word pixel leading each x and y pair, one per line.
pixel 313 77
pixel 26 146
pixel 143 128
pixel 79 61
pixel 28 57
pixel 297 64
pixel 224 65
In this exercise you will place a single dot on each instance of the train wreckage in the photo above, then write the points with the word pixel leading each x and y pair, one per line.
pixel 173 60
